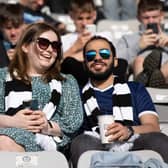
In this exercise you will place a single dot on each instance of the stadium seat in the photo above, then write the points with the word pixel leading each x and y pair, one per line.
pixel 118 28
pixel 160 99
pixel 33 159
pixel 85 158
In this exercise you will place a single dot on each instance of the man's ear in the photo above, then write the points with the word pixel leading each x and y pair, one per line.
pixel 94 15
pixel 115 61
pixel 162 16
pixel 71 14
pixel 138 18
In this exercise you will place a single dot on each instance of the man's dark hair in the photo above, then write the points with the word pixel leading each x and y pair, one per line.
pixel 82 5
pixel 149 5
pixel 11 13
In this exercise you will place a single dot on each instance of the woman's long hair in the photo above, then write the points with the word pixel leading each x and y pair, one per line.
pixel 19 64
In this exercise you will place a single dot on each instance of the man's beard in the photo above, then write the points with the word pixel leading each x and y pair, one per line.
pixel 102 75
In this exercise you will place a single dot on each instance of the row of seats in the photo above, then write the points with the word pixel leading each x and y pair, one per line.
pixel 33 160
pixel 56 159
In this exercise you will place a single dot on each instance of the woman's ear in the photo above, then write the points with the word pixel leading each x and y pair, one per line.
pixel 24 48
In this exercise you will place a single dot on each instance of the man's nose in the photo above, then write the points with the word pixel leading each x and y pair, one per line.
pixel 98 56
pixel 151 20
pixel 84 22
pixel 13 31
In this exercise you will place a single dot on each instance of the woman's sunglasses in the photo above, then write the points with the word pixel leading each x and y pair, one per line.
pixel 91 54
pixel 44 43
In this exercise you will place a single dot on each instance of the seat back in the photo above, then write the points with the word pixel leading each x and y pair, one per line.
pixel 121 70
pixel 33 159
pixel 118 28
pixel 160 99
pixel 85 158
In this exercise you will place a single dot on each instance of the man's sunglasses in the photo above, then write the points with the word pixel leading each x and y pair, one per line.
pixel 44 43
pixel 91 54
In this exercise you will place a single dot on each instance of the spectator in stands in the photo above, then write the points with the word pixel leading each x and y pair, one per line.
pixel 32 13
pixel 82 13
pixel 11 27
pixel 146 50
pixel 55 113
pixel 120 9
pixel 58 6
pixel 136 124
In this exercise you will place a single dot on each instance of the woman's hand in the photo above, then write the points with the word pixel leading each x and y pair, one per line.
pixel 29 120
pixel 35 121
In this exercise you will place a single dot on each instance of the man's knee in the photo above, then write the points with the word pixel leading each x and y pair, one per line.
pixel 151 140
pixel 85 142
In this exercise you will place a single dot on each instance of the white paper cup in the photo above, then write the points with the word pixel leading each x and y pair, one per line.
pixel 104 121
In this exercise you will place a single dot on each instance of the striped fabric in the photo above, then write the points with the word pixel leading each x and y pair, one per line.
pixel 16 92
pixel 122 104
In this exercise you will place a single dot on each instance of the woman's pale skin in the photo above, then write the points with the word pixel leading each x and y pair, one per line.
pixel 33 121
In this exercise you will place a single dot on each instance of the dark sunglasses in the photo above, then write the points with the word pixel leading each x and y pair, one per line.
pixel 44 43
pixel 91 54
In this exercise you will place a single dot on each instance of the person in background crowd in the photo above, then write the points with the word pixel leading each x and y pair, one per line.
pixel 58 6
pixel 40 109
pixel 146 50
pixel 11 27
pixel 136 123
pixel 120 9
pixel 32 13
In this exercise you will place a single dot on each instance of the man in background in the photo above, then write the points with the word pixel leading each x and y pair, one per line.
pixel 32 13
pixel 11 26
pixel 146 51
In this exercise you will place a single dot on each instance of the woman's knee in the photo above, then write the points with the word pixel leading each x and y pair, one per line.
pixel 8 144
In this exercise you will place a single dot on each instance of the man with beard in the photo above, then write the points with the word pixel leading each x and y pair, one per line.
pixel 83 13
pixel 136 123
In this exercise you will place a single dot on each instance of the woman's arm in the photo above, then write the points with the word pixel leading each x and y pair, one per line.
pixel 69 115
pixel 26 119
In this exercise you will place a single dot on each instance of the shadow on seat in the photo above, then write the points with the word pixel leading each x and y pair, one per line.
pixel 41 159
